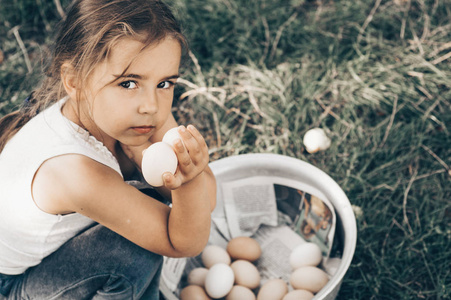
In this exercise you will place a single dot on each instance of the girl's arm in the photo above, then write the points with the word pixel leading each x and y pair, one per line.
pixel 98 192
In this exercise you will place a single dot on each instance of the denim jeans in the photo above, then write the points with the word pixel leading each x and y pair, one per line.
pixel 96 264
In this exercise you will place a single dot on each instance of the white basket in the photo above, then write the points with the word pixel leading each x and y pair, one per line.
pixel 248 165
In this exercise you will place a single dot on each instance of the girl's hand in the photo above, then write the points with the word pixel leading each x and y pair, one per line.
pixel 193 157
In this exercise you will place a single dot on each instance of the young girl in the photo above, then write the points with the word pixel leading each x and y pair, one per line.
pixel 70 226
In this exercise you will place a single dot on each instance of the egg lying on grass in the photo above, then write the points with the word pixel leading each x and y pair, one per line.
pixel 171 136
pixel 316 140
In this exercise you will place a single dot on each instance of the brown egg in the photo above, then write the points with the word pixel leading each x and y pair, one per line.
pixel 299 295
pixel 239 292
pixel 244 248
pixel 309 278
pixel 246 274
pixel 273 289
pixel 193 292
pixel 197 276
pixel 214 254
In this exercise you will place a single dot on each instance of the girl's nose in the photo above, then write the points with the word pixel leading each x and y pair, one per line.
pixel 149 104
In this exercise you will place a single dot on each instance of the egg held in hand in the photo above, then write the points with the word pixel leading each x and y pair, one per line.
pixel 171 136
pixel 158 159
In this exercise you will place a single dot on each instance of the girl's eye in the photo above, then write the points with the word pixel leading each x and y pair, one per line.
pixel 129 84
pixel 165 84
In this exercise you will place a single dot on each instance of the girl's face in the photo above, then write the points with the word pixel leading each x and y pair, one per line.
pixel 131 107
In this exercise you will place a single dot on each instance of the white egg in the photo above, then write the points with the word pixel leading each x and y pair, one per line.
pixel 158 159
pixel 219 280
pixel 306 254
pixel 315 140
pixel 171 135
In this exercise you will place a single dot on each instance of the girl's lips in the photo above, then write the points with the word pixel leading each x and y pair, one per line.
pixel 143 129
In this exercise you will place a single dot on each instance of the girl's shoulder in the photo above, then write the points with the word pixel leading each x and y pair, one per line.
pixel 63 181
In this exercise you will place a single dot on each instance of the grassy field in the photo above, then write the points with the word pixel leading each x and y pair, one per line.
pixel 376 75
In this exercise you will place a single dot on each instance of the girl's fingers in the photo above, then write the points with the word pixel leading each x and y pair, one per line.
pixel 187 137
pixel 171 181
pixel 196 148
pixel 197 136
pixel 182 154
pixel 192 155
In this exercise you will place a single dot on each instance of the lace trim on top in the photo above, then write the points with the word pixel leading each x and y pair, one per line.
pixel 84 136
pixel 92 142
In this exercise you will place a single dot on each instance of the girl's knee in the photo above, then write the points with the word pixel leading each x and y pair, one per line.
pixel 123 256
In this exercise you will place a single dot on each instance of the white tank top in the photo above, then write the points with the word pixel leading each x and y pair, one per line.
pixel 27 234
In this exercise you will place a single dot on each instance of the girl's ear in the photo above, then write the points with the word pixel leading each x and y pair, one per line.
pixel 69 80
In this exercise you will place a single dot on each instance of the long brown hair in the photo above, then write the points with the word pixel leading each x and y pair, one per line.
pixel 85 38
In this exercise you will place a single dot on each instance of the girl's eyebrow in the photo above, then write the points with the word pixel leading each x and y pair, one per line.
pixel 175 76
pixel 143 77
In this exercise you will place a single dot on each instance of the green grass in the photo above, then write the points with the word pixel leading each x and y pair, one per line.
pixel 376 75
